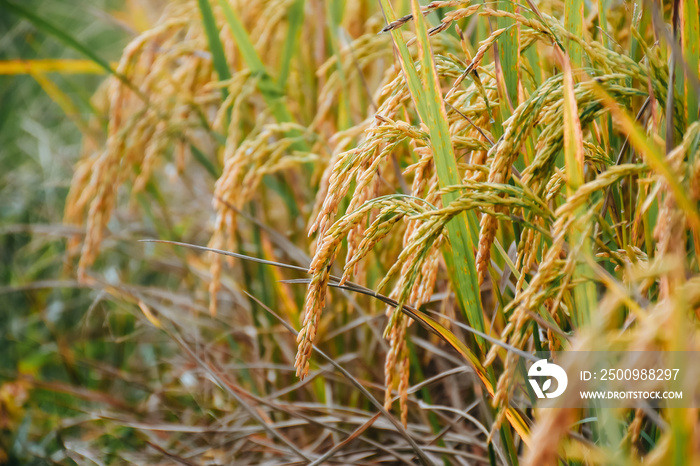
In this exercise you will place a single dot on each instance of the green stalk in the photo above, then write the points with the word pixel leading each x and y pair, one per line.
pixel 215 46
pixel 690 27
pixel 508 55
pixel 573 19
pixel 334 18
pixel 295 18
pixel 584 293
pixel 426 94
pixel 271 92
pixel 428 99
pixel 603 22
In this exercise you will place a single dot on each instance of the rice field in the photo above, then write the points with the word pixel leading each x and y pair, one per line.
pixel 326 232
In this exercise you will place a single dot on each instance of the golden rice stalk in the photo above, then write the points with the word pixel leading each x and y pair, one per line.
pixel 397 339
pixel 670 230
pixel 423 288
pixel 517 129
pixel 504 385
pixel 391 209
pixel 378 229
pixel 382 137
pixel 316 296
pixel 244 168
pixel 448 19
pixel 484 46
pixel 132 139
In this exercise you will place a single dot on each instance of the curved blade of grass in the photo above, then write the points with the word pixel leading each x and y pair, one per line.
pixel 67 39
pixel 428 99
pixel 228 253
pixel 58 33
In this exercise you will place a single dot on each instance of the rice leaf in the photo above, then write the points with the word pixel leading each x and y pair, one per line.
pixel 295 18
pixel 215 45
pixel 429 102
pixel 269 89
pixel 573 21
pixel 691 54
pixel 509 56
pixel 584 293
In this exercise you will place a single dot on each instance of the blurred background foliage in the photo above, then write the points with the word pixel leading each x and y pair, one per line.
pixel 45 333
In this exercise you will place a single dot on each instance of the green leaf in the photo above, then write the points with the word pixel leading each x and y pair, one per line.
pixel 215 46
pixel 573 19
pixel 584 293
pixel 203 160
pixel 63 36
pixel 691 55
pixel 271 92
pixel 509 55
pixel 295 18
pixel 429 103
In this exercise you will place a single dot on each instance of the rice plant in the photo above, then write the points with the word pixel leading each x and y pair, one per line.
pixel 360 215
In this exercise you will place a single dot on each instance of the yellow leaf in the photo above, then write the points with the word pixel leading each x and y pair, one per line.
pixel 64 66
pixel 149 315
